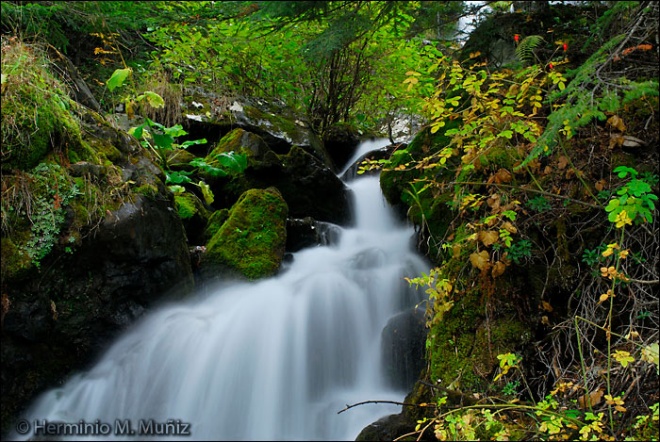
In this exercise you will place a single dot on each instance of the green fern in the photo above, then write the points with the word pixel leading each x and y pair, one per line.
pixel 525 50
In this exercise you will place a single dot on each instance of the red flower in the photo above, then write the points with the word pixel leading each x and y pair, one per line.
pixel 551 66
pixel 516 38
pixel 565 46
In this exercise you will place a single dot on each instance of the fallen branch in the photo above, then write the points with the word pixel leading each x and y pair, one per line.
pixel 348 407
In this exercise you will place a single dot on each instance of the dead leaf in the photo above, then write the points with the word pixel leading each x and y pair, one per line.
pixel 600 184
pixel 456 250
pixel 593 398
pixel 494 202
pixel 498 269
pixel 616 140
pixel 617 123
pixel 570 173
pixel 503 176
pixel 563 162
pixel 480 260
pixel 488 237
pixel 509 227
pixel 546 306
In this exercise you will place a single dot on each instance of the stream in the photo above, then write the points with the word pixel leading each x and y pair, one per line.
pixel 275 359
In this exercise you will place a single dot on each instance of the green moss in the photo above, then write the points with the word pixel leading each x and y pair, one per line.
pixel 462 348
pixel 16 262
pixel 185 206
pixel 215 221
pixel 148 189
pixel 35 109
pixel 253 238
pixel 278 122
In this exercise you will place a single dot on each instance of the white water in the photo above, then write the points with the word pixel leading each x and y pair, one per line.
pixel 272 360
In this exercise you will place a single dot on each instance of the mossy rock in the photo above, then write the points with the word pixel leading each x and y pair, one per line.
pixel 214 222
pixel 465 344
pixel 245 143
pixel 16 262
pixel 252 241
pixel 35 110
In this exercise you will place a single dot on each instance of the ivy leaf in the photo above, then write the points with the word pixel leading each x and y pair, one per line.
pixel 498 269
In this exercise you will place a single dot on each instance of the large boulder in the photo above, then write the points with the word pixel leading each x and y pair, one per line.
pixel 251 242
pixel 211 117
pixel 311 189
pixel 90 237
pixel 69 291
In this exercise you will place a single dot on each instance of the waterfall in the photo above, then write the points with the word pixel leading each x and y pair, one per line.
pixel 270 360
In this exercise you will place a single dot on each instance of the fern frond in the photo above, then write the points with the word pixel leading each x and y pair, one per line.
pixel 526 47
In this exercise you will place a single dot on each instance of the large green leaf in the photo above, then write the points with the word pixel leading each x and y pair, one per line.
pixel 117 79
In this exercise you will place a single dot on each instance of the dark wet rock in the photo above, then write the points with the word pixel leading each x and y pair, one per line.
pixel 311 189
pixel 307 232
pixel 340 141
pixel 120 249
pixel 403 348
pixel 387 428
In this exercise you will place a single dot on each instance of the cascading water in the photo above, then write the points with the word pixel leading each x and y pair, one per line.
pixel 271 360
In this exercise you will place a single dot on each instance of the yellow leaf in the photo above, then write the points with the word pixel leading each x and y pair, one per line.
pixel 480 260
pixel 488 237
pixel 622 219
pixel 617 123
pixel 498 269
pixel 623 357
pixel 509 227
pixel 616 140
pixel 130 113
pixel 456 250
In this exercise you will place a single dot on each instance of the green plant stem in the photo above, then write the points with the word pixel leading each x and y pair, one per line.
pixel 583 365
pixel 609 335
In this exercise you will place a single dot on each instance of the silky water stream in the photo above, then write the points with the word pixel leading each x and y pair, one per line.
pixel 270 360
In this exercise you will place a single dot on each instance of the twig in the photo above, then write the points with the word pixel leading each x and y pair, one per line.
pixel 380 402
